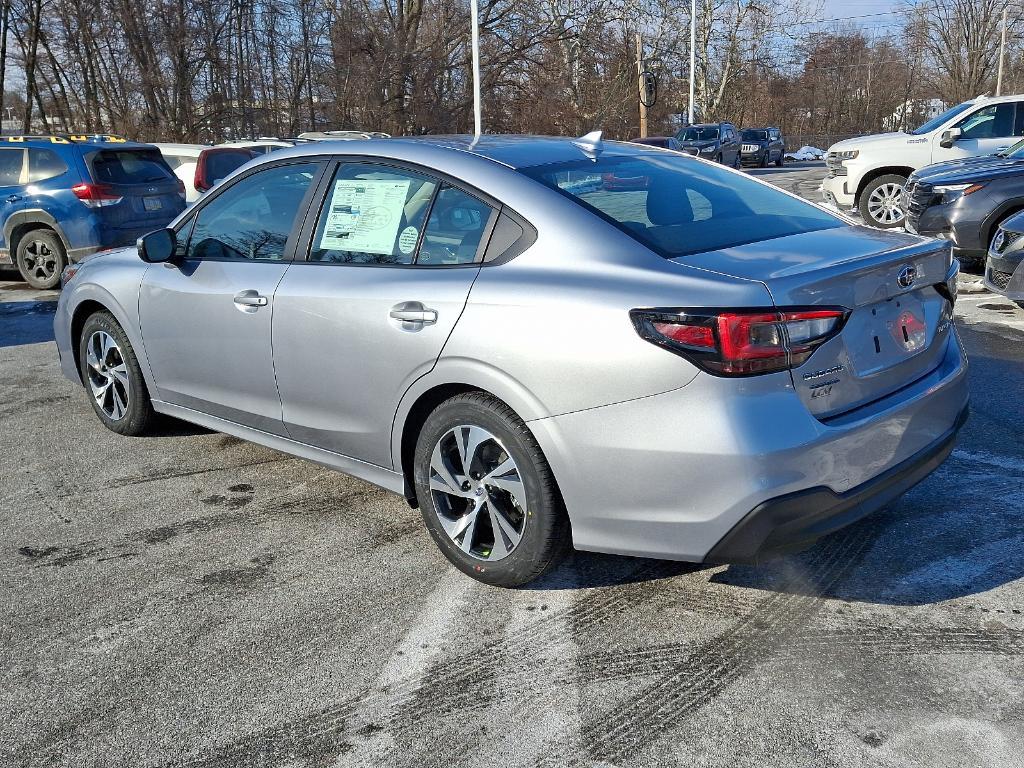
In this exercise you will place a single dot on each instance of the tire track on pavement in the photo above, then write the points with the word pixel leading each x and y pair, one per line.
pixel 638 720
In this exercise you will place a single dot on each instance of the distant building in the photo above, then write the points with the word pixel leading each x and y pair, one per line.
pixel 912 113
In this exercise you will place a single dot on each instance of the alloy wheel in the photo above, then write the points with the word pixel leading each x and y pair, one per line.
pixel 884 203
pixel 108 375
pixel 40 260
pixel 478 493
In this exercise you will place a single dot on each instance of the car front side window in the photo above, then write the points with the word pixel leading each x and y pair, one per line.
pixel 990 122
pixel 254 217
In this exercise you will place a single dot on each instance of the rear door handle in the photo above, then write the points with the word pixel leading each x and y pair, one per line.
pixel 413 312
pixel 250 298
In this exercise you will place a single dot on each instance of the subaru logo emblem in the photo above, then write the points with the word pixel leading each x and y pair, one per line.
pixel 997 243
pixel 907 276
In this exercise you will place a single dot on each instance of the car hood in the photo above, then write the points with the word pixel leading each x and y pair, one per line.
pixel 860 142
pixel 697 144
pixel 970 169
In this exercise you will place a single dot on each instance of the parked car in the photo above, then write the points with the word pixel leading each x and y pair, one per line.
pixel 693 371
pixel 63 198
pixel 762 146
pixel 1004 268
pixel 868 173
pixel 665 142
pixel 216 163
pixel 342 135
pixel 964 201
pixel 262 145
pixel 712 141
pixel 182 159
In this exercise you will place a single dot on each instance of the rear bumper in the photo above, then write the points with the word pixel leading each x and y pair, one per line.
pixel 795 521
pixel 672 475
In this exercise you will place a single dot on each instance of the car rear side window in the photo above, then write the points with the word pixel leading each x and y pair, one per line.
pixel 373 214
pixel 44 164
pixel 678 205
pixel 129 166
pixel 252 219
pixel 11 162
pixel 455 229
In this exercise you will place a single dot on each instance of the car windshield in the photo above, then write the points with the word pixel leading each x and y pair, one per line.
pixel 1016 151
pixel 755 135
pixel 679 206
pixel 697 133
pixel 935 122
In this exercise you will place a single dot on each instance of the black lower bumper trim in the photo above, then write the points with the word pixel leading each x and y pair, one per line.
pixel 795 521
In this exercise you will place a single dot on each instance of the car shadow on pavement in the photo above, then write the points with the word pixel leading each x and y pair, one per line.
pixel 582 570
pixel 26 322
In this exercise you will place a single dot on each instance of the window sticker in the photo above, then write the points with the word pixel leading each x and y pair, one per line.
pixel 365 215
pixel 407 240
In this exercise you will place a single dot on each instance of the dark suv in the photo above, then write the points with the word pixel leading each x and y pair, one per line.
pixel 65 197
pixel 712 141
pixel 964 201
pixel 1004 268
pixel 762 146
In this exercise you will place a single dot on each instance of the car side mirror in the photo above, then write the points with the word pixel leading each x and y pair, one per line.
pixel 157 247
pixel 950 137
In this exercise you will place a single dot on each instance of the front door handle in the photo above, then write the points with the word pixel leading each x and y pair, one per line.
pixel 13 198
pixel 249 300
pixel 413 312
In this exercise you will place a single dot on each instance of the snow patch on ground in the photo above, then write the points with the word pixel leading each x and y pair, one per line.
pixel 806 153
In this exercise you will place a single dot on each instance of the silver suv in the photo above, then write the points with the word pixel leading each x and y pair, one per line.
pixel 540 342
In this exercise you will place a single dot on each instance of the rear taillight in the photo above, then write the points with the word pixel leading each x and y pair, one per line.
pixel 740 343
pixel 96 195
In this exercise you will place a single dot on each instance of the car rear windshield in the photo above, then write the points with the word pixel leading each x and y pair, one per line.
pixel 698 134
pixel 129 166
pixel 680 205
pixel 755 135
pixel 223 163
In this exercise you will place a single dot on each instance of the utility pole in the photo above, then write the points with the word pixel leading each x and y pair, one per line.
pixel 693 54
pixel 641 85
pixel 1002 51
pixel 476 67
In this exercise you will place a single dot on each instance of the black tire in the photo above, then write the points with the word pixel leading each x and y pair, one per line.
pixel 41 258
pixel 545 533
pixel 138 415
pixel 782 159
pixel 718 159
pixel 764 159
pixel 864 202
pixel 1019 304
pixel 738 162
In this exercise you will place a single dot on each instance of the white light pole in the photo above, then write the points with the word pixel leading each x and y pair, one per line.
pixel 693 53
pixel 476 67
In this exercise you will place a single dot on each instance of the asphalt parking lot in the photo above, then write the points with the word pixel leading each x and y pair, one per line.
pixel 191 599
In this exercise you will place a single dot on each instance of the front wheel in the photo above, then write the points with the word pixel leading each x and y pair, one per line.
pixel 781 161
pixel 737 163
pixel 41 258
pixel 486 492
pixel 111 374
pixel 880 204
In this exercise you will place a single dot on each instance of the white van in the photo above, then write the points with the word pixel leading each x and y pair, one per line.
pixel 868 173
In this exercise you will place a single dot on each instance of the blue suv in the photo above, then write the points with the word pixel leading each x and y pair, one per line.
pixel 65 197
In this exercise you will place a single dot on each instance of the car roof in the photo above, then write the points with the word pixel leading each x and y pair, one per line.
pixel 184 149
pixel 85 142
pixel 512 151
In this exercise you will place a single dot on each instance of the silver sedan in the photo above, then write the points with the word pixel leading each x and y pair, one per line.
pixel 542 343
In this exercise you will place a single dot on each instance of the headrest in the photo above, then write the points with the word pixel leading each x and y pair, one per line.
pixel 667 201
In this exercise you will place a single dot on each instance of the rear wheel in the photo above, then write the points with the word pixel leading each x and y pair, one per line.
pixel 112 376
pixel 486 492
pixel 781 161
pixel 737 162
pixel 41 258
pixel 880 201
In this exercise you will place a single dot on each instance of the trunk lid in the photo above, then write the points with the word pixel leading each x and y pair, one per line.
pixel 897 328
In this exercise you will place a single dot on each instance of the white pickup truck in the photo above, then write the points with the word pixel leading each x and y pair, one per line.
pixel 868 173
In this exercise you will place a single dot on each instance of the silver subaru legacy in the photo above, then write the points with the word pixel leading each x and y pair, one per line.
pixel 542 343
